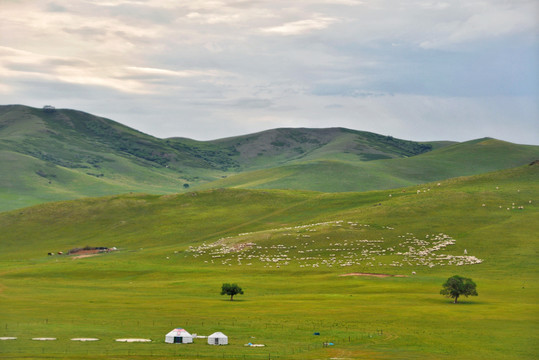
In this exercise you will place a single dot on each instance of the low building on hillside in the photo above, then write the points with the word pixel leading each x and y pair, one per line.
pixel 49 109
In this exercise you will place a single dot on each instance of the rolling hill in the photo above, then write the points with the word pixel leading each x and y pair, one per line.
pixel 66 154
pixel 288 249
pixel 276 147
pixel 460 159
pixel 59 154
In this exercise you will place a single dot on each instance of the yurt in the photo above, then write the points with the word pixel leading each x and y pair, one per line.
pixel 178 336
pixel 218 338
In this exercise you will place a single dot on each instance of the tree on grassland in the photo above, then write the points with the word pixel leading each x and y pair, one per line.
pixel 231 289
pixel 458 285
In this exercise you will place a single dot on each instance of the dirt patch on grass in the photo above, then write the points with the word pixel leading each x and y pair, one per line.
pixel 373 275
pixel 88 252
pixel 83 256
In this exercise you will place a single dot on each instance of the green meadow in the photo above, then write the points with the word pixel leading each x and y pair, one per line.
pixel 287 250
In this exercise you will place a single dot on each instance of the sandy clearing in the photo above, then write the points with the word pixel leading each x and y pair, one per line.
pixel 133 340
pixel 373 275
pixel 83 256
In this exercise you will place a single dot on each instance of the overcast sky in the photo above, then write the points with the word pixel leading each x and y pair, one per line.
pixel 207 69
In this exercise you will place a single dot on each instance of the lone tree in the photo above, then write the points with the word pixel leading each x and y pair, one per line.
pixel 231 289
pixel 458 285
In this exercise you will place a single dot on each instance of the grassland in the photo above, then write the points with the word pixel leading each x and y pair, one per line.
pixel 175 251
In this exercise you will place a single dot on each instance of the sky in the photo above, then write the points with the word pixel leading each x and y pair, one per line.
pixel 419 70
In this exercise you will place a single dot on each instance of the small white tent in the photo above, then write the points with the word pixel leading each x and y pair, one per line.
pixel 218 338
pixel 178 336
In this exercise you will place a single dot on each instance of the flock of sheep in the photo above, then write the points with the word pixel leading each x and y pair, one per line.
pixel 311 246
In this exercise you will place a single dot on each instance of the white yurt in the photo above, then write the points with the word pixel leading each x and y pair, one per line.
pixel 218 338
pixel 179 336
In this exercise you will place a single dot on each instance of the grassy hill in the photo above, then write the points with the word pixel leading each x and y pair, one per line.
pixel 287 145
pixel 287 249
pixel 66 154
pixel 333 175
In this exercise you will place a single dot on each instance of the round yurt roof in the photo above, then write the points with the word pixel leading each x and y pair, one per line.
pixel 217 334
pixel 179 332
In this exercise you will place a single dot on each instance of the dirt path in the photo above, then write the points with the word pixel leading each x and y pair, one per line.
pixel 373 275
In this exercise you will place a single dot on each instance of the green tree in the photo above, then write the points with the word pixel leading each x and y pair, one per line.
pixel 456 286
pixel 231 289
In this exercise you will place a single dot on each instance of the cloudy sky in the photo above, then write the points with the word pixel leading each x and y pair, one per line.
pixel 207 69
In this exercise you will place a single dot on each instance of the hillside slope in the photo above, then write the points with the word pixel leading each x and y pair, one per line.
pixel 331 175
pixel 66 154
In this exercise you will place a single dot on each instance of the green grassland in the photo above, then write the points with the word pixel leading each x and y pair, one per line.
pixel 287 249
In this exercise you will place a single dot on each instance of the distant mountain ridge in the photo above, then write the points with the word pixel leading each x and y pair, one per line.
pixel 284 145
pixel 55 154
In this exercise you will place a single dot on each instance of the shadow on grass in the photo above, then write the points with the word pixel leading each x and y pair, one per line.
pixel 462 302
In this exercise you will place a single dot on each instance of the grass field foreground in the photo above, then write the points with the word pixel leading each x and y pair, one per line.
pixel 287 250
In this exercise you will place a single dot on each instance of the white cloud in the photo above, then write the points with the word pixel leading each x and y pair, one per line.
pixel 129 79
pixel 301 26
pixel 175 73
pixel 25 65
